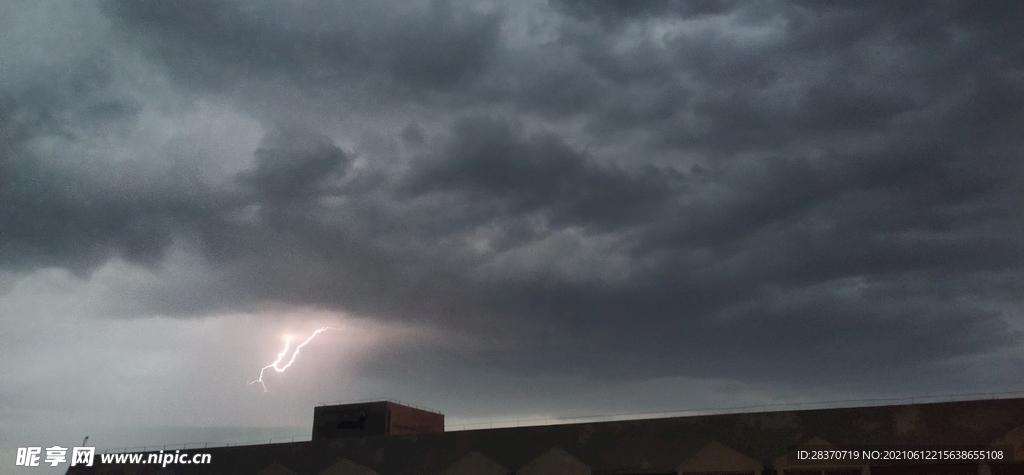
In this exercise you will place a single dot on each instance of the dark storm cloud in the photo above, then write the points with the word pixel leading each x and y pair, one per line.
pixel 611 11
pixel 769 182
pixel 218 44
pixel 292 166
pixel 809 73
pixel 490 159
pixel 48 213
pixel 913 177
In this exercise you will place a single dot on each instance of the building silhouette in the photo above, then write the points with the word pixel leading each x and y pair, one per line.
pixel 386 438
pixel 373 418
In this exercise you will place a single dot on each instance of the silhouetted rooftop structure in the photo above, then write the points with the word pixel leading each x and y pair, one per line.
pixel 373 418
pixel 750 443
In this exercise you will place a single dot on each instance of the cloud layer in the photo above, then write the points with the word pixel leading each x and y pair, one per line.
pixel 803 194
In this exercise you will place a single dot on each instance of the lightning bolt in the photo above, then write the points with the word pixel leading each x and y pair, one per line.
pixel 277 366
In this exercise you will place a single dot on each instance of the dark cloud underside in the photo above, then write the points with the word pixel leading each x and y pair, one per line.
pixel 652 188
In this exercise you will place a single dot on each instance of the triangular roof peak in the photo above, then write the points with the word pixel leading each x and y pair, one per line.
pixel 555 461
pixel 717 457
pixel 276 469
pixel 347 467
pixel 1014 439
pixel 475 463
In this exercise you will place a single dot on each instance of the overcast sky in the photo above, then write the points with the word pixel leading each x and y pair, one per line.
pixel 515 209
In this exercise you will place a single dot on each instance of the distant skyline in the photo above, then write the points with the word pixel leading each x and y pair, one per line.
pixel 515 209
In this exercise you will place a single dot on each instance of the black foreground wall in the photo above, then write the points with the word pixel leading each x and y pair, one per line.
pixel 653 446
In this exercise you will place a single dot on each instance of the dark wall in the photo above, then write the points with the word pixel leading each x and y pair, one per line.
pixel 350 420
pixel 649 447
pixel 1006 468
pixel 932 469
pixel 373 418
pixel 408 420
